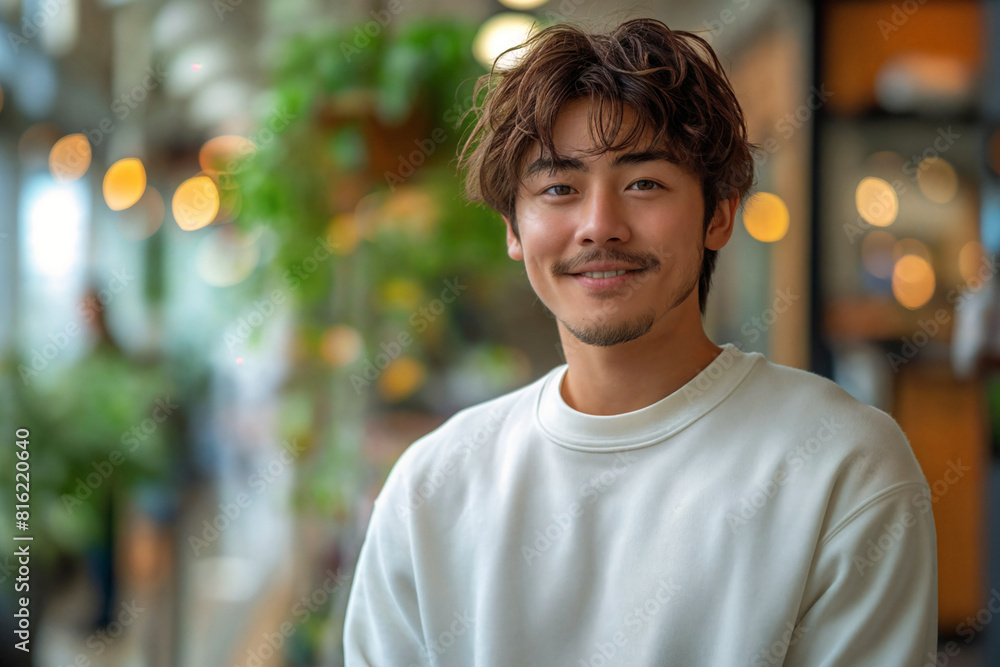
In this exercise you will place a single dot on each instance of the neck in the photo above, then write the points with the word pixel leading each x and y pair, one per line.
pixel 630 376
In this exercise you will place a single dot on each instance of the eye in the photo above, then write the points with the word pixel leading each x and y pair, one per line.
pixel 559 190
pixel 645 184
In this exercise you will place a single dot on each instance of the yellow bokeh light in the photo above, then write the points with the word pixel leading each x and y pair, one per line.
pixel 401 378
pixel 523 4
pixel 876 201
pixel 937 180
pixel 223 153
pixel 195 203
pixel 876 253
pixel 766 217
pixel 70 158
pixel 402 293
pixel 343 234
pixel 499 33
pixel 341 345
pixel 913 281
pixel 910 247
pixel 972 264
pixel 124 183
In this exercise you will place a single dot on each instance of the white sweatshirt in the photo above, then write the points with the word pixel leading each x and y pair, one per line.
pixel 757 516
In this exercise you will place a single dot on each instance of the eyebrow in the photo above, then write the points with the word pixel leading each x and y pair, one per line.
pixel 547 164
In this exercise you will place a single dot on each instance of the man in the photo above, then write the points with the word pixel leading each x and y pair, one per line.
pixel 657 500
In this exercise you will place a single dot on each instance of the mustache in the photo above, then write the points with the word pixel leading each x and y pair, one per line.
pixel 642 260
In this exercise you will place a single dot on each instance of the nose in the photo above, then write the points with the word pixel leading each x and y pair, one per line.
pixel 603 219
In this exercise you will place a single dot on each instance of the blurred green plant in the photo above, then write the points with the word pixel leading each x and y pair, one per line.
pixel 98 428
pixel 364 169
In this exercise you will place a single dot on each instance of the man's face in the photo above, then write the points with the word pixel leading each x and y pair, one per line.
pixel 630 211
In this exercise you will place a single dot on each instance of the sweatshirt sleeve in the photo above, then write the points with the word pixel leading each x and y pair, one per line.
pixel 871 598
pixel 382 624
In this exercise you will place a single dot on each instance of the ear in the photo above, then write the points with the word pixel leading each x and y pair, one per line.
pixel 720 229
pixel 514 250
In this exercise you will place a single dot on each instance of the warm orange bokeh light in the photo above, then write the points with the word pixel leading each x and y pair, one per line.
pixel 401 378
pixel 766 217
pixel 124 183
pixel 341 345
pixel 913 281
pixel 876 201
pixel 195 203
pixel 70 158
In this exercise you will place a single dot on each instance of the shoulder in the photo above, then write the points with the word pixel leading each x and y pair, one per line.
pixel 855 452
pixel 472 429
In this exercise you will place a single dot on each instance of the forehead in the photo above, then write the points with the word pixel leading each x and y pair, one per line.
pixel 584 131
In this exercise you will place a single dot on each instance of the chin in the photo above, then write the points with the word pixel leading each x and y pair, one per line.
pixel 609 334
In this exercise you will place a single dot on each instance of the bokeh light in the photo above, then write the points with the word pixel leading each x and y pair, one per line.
pixel 402 293
pixel 223 153
pixel 343 234
pixel 766 217
pixel 195 203
pixel 910 247
pixel 913 281
pixel 522 5
pixel 499 33
pixel 401 378
pixel 124 183
pixel 937 180
pixel 70 158
pixel 341 345
pixel 876 201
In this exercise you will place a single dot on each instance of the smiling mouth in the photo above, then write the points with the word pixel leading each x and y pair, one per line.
pixel 606 274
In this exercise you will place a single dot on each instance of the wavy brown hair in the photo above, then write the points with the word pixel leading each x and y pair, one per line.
pixel 671 79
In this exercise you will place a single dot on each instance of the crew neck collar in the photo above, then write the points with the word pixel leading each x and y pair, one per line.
pixel 645 426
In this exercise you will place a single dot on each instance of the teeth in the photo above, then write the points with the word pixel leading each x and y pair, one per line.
pixel 604 274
